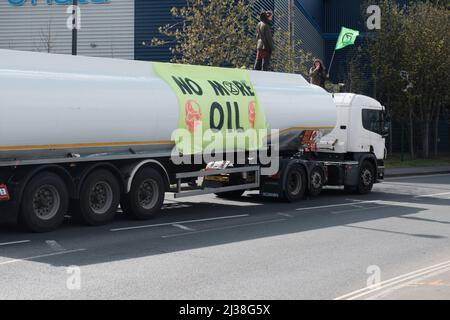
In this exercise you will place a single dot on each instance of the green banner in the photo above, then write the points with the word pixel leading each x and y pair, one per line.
pixel 347 37
pixel 215 105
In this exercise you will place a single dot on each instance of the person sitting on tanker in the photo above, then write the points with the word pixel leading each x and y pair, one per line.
pixel 318 73
pixel 265 44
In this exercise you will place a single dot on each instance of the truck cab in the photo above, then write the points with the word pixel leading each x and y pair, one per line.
pixel 361 126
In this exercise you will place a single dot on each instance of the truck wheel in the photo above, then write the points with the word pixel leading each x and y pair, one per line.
pixel 231 194
pixel 146 196
pixel 294 185
pixel 366 178
pixel 99 198
pixel 316 182
pixel 45 203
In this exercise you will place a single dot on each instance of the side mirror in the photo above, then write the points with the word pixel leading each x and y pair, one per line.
pixel 385 130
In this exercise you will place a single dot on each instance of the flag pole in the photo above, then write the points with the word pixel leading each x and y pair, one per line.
pixel 331 63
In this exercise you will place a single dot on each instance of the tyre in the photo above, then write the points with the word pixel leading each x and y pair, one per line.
pixel 45 202
pixel 294 185
pixel 146 196
pixel 230 194
pixel 366 178
pixel 316 182
pixel 99 198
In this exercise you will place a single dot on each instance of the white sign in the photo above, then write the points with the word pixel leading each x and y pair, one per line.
pixel 74 19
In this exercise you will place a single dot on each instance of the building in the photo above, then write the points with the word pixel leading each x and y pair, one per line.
pixel 119 28
pixel 107 27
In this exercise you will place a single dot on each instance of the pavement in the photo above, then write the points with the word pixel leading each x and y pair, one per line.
pixel 391 244
pixel 402 172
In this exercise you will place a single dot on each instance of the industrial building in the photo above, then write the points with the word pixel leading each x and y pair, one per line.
pixel 119 28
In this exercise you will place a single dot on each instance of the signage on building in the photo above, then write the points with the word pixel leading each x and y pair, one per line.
pixel 18 3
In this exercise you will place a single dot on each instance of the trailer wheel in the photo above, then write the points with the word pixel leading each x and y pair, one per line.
pixel 366 178
pixel 99 198
pixel 45 203
pixel 316 182
pixel 146 196
pixel 294 185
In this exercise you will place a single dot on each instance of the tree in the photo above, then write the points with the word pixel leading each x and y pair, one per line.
pixel 46 38
pixel 290 57
pixel 427 26
pixel 211 32
pixel 410 66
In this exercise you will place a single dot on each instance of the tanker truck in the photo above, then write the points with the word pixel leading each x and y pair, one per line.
pixel 83 136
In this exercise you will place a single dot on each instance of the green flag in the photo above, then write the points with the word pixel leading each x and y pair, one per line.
pixel 346 38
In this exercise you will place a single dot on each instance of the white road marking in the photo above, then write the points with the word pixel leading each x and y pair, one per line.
pixel 433 195
pixel 41 256
pixel 354 205
pixel 360 209
pixel 222 228
pixel 336 205
pixel 55 246
pixel 393 281
pixel 178 222
pixel 285 215
pixel 13 242
pixel 180 226
pixel 402 285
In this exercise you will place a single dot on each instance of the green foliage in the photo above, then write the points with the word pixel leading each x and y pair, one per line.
pixel 211 32
pixel 413 39
pixel 289 56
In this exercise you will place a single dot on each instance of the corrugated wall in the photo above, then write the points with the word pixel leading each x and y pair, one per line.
pixel 305 27
pixel 307 31
pixel 107 30
pixel 264 5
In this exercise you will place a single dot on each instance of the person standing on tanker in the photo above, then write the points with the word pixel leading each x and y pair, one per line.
pixel 265 43
pixel 318 73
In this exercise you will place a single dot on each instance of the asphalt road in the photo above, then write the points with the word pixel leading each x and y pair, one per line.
pixel 396 240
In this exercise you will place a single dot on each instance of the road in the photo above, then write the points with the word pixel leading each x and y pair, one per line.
pixel 396 240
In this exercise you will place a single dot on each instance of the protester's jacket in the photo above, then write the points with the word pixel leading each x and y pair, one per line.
pixel 318 77
pixel 264 37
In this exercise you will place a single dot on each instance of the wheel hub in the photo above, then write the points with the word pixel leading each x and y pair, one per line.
pixel 294 184
pixel 367 177
pixel 100 198
pixel 147 194
pixel 46 202
pixel 316 180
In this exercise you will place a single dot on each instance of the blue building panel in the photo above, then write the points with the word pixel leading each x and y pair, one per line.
pixel 315 9
pixel 149 16
pixel 338 13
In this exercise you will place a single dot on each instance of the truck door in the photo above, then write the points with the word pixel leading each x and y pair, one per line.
pixel 372 120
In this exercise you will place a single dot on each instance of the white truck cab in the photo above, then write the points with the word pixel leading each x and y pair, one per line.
pixel 360 126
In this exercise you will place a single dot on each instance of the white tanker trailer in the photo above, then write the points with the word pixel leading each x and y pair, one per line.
pixel 92 133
